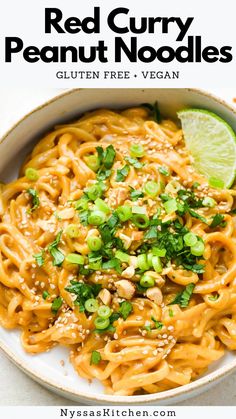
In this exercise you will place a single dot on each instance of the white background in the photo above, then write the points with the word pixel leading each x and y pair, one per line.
pixel 213 20
pixel 15 387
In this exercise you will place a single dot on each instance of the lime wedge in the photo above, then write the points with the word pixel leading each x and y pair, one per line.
pixel 212 144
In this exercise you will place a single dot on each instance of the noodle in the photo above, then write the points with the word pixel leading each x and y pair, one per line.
pixel 153 336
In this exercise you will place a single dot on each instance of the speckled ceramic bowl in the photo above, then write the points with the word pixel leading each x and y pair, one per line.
pixel 47 368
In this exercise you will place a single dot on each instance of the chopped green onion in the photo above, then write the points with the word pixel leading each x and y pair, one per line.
pixel 122 256
pixel 164 171
pixel 198 248
pixel 81 204
pixel 209 202
pixel 95 358
pixel 171 313
pixel 138 210
pixel 92 162
pixel 140 220
pixel 102 206
pixel 124 213
pixel 96 218
pixel 149 259
pixel 147 281
pixel 94 243
pixel 156 263
pixel 95 266
pixel 213 297
pixel 152 188
pixel 190 239
pixel 32 174
pixel 216 183
pixel 101 323
pixel 104 312
pixel 142 262
pixel 158 252
pixel 75 258
pixel 170 206
pixel 94 192
pixel 45 295
pixel 91 305
pixel 72 231
pixel 137 150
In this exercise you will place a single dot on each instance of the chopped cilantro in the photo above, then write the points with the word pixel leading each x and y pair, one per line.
pixel 106 159
pixel 100 154
pixel 39 257
pixel 35 199
pixel 169 236
pixel 196 267
pixel 218 220
pixel 95 358
pixel 194 214
pixel 109 156
pixel 56 305
pixel 56 254
pixel 83 292
pixel 45 295
pixel 122 173
pixel 113 263
pixel 190 198
pixel 95 261
pixel 183 297
pixel 135 194
pixel 83 216
pixel 115 316
pixel 154 109
pixel 125 309
pixel 106 233
pixel 134 162
pixel 103 174
pixel 157 323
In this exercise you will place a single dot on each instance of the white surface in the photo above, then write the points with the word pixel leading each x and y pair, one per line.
pixel 14 105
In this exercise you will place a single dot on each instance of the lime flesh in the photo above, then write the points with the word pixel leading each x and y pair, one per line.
pixel 212 144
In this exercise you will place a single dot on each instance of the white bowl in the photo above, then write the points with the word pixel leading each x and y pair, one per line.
pixel 46 368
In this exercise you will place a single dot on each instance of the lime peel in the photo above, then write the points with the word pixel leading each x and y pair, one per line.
pixel 212 144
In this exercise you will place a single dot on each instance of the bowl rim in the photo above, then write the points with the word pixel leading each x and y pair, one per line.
pixel 164 396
